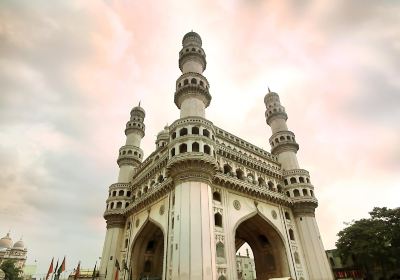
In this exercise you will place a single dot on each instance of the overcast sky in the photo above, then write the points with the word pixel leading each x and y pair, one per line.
pixel 70 71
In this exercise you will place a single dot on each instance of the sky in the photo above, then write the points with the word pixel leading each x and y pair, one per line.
pixel 70 72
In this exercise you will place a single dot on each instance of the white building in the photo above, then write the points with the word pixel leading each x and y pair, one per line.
pixel 246 269
pixel 13 251
pixel 185 210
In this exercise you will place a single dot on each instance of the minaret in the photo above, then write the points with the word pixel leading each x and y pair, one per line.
pixel 298 187
pixel 130 156
pixel 191 95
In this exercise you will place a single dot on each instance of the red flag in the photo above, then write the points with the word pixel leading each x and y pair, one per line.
pixel 50 268
pixel 78 271
pixel 61 269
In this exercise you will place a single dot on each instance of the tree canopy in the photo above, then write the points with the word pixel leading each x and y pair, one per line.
pixel 11 271
pixel 373 242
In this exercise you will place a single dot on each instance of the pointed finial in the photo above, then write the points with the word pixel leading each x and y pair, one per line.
pixel 139 102
pixel 269 90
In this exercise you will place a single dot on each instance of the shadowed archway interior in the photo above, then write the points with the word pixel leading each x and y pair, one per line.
pixel 268 248
pixel 148 253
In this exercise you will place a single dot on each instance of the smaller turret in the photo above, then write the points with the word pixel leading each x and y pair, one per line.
pixel 162 137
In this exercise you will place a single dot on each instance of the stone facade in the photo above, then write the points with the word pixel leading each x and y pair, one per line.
pixel 184 211
pixel 13 251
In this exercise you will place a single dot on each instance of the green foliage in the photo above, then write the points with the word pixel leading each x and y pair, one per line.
pixel 373 242
pixel 12 272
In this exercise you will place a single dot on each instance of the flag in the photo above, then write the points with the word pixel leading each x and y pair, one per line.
pixel 77 271
pixel 61 269
pixel 94 271
pixel 55 271
pixel 50 269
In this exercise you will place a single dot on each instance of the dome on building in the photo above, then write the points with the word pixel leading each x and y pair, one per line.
pixel 6 241
pixel 163 134
pixel 19 245
pixel 192 36
pixel 138 109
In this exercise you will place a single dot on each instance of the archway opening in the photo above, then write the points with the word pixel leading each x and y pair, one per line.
pixel 148 253
pixel 245 263
pixel 268 249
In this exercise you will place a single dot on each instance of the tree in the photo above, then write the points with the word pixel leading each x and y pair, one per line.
pixel 11 271
pixel 373 242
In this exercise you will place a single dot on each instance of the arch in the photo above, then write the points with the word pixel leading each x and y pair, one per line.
pixel 301 179
pixel 182 148
pixel 193 81
pixel 119 205
pixel 287 216
pixel 227 169
pixel 305 193
pixel 183 131
pixel 148 252
pixel 220 250
pixel 261 182
pixel 307 180
pixel 146 189
pixel 128 193
pixel 129 152
pixel 267 245
pixel 288 193
pixel 206 133
pixel 286 182
pixel 296 193
pixel 311 193
pixel 126 204
pixel 207 149
pixel 195 147
pixel 239 174
pixel 293 180
pixel 218 220
pixel 160 179
pixel 121 193
pixel 270 186
pixel 217 196
pixel 172 152
pixel 201 83
pixel 112 205
pixel 195 130
pixel 279 187
pixel 185 82
pixel 291 234
pixel 174 135
pixel 114 193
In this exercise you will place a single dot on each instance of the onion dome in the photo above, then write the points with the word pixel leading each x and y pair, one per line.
pixel 19 245
pixel 138 110
pixel 191 37
pixel 6 242
pixel 163 134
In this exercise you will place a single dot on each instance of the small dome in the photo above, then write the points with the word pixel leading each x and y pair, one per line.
pixel 270 96
pixel 19 245
pixel 191 37
pixel 139 110
pixel 163 134
pixel 6 242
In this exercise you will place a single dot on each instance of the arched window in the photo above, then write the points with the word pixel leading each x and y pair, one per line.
pixel 227 169
pixel 124 152
pixel 282 138
pixel 286 182
pixel 186 82
pixel 139 194
pixel 307 180
pixel 218 220
pixel 239 174
pixel 261 182
pixel 220 250
pixel 119 204
pixel 133 198
pixel 293 180
pixel 301 179
pixel 126 243
pixel 287 216
pixel 145 190
pixel 279 187
pixel 296 193
pixel 217 196
pixel 174 135
pixel 160 178
pixel 305 193
pixel 121 193
pixel 114 193
pixel 128 193
pixel 201 83
pixel 206 133
pixel 112 205
pixel 288 194
pixel 270 186
pixel 291 234
pixel 183 132
pixel 126 204
pixel 195 130
pixel 182 148
pixel 207 149
pixel 129 152
pixel 312 193
pixel 193 81
pixel 173 152
pixel 195 147
pixel 152 183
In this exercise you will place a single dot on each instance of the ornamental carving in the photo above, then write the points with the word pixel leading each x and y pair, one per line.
pixel 236 204
pixel 162 210
pixel 274 215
